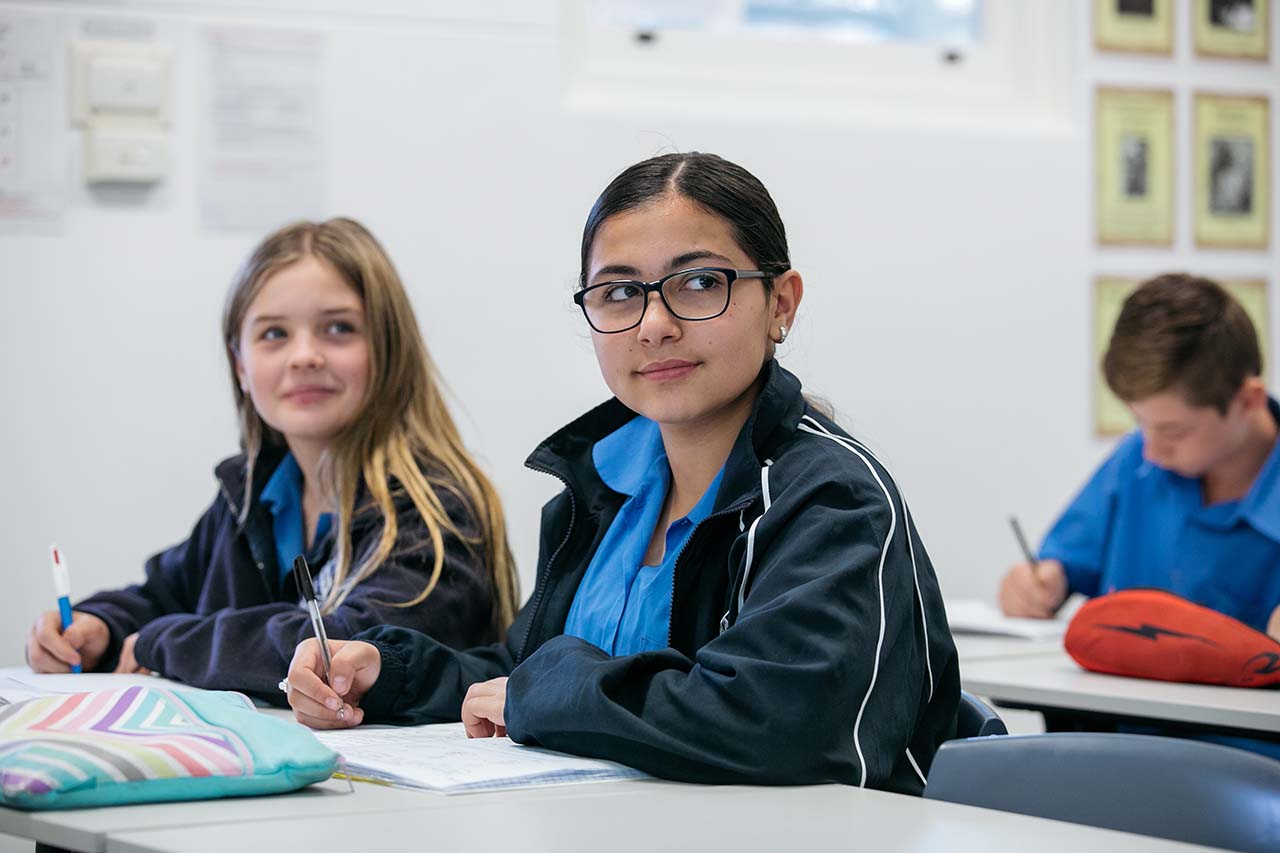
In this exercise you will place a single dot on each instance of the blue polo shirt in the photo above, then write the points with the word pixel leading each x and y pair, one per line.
pixel 1138 525
pixel 622 605
pixel 282 495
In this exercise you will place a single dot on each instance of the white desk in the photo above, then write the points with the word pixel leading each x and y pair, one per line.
pixel 1056 681
pixel 620 816
pixel 90 829
pixel 661 816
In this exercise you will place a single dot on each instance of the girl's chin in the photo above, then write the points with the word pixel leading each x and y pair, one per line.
pixel 311 433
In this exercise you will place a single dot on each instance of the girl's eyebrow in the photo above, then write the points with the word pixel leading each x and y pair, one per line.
pixel 680 261
pixel 676 263
pixel 617 269
pixel 328 312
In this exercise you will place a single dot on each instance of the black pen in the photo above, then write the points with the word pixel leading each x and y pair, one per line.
pixel 303 573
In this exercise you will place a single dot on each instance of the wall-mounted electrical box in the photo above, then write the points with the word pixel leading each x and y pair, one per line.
pixel 120 95
pixel 125 154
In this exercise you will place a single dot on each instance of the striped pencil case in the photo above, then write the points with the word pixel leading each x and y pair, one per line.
pixel 150 744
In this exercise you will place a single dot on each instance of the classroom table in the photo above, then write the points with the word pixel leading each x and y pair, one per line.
pixel 1054 681
pixel 660 816
pixel 90 830
pixel 334 815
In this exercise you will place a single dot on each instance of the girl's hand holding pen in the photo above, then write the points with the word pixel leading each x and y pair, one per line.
pixel 50 649
pixel 355 668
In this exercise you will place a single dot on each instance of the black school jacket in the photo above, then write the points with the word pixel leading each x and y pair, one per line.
pixel 214 611
pixel 808 641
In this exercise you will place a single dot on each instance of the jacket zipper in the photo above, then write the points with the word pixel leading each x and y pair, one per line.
pixel 546 570
pixel 226 496
pixel 235 512
pixel 671 607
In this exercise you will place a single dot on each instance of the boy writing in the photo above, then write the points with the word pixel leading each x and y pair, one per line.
pixel 1190 502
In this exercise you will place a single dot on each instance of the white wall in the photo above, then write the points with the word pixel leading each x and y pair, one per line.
pixel 946 313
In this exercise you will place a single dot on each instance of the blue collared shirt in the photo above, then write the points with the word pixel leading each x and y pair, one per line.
pixel 622 605
pixel 282 495
pixel 1138 525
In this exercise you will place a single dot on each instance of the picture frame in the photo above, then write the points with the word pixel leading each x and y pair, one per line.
pixel 1133 26
pixel 1232 170
pixel 1232 29
pixel 1134 157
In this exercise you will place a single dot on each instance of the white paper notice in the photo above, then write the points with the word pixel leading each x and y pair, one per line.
pixel 264 152
pixel 33 149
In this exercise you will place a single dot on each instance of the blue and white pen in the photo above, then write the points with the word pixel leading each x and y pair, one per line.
pixel 62 588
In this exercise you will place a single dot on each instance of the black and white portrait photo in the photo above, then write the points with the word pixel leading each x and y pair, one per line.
pixel 1236 15
pixel 1137 8
pixel 1133 166
pixel 1231 176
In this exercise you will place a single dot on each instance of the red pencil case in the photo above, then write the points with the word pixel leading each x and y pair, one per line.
pixel 1150 633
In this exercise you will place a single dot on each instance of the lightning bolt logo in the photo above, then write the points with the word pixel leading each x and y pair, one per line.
pixel 1155 632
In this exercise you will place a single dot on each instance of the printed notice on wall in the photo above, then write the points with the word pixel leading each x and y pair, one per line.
pixel 33 148
pixel 264 152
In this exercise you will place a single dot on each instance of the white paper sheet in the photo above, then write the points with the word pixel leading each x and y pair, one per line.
pixel 441 757
pixel 19 683
pixel 974 616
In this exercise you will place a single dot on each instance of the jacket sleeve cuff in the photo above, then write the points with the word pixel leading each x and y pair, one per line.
pixel 380 701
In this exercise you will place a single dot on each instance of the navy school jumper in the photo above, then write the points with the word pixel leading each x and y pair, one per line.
pixel 808 641
pixel 216 611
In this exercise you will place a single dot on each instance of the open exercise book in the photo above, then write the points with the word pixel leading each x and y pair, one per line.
pixel 973 616
pixel 441 757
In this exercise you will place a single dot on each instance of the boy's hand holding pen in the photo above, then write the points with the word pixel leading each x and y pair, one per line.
pixel 1033 589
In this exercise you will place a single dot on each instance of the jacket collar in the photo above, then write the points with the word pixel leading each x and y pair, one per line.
pixel 567 454
pixel 231 474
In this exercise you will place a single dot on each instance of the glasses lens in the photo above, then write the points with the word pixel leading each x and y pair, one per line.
pixel 614 306
pixel 697 294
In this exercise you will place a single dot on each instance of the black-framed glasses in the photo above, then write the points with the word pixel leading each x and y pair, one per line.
pixel 701 293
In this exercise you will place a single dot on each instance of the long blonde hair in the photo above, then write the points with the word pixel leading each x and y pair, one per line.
pixel 402 426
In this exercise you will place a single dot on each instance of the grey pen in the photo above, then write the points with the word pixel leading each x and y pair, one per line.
pixel 1022 543
pixel 303 573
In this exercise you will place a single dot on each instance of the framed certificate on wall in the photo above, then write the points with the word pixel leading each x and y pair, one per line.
pixel 1232 171
pixel 1133 166
pixel 1137 26
pixel 1233 29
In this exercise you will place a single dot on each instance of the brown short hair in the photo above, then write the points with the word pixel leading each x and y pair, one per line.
pixel 1185 333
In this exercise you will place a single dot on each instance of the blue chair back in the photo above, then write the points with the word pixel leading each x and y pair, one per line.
pixel 1184 790
pixel 975 718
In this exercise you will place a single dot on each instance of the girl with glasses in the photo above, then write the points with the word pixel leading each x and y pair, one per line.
pixel 730 587
pixel 349 457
